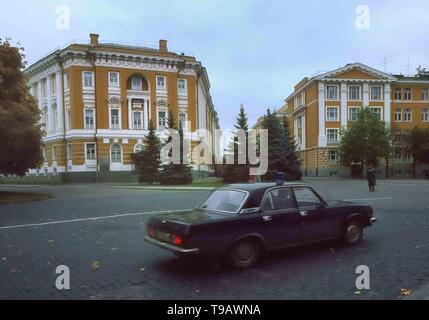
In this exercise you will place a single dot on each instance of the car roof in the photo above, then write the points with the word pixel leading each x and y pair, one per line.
pixel 257 190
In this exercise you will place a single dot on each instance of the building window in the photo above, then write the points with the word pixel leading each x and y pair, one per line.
pixel 54 117
pixel 425 94
pixel 398 94
pixel 88 79
pixel 89 119
pixel 332 92
pixel 353 113
pixel 114 119
pixel 333 156
pixel 300 99
pixel 114 79
pixel 331 113
pixel 54 153
pixel 375 93
pixel 138 148
pixel 182 120
pixel 398 115
pixel 425 115
pixel 90 151
pixel 376 111
pixel 136 83
pixel 69 151
pixel 137 120
pixel 332 135
pixel 116 154
pixel 68 121
pixel 407 94
pixel 181 86
pixel 397 155
pixel 53 85
pixel 299 122
pixel 162 121
pixel 160 83
pixel 354 92
pixel 407 115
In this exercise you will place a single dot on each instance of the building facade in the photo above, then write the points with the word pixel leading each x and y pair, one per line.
pixel 320 106
pixel 97 100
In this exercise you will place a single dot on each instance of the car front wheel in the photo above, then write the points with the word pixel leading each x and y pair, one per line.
pixel 244 254
pixel 353 232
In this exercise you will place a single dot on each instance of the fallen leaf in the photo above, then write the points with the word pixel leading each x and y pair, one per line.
pixel 95 265
pixel 4 258
pixel 114 249
pixel 51 241
pixel 406 292
pixel 142 269
pixel 357 292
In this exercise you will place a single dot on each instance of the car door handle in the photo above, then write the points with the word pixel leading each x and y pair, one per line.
pixel 303 213
pixel 266 218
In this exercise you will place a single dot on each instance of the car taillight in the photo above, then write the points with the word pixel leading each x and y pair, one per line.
pixel 176 240
pixel 152 232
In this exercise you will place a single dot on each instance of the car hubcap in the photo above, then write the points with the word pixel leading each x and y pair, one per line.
pixel 244 252
pixel 353 232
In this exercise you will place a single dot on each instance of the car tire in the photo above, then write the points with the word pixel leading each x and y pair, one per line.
pixel 244 254
pixel 353 232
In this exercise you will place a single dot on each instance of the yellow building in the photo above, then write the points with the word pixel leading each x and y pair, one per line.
pixel 97 100
pixel 319 106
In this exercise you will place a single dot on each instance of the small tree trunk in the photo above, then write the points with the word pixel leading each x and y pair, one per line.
pixel 414 169
pixel 387 167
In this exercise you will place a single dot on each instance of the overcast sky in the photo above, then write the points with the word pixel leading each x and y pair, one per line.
pixel 254 51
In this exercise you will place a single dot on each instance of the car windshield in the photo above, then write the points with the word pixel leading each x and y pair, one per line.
pixel 224 200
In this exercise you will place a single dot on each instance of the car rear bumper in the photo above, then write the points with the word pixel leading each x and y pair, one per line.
pixel 170 247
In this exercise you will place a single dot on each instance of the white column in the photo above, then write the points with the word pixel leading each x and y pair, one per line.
pixel 303 131
pixel 39 94
pixel 146 114
pixel 365 94
pixel 49 125
pixel 322 133
pixel 343 92
pixel 130 124
pixel 60 102
pixel 387 107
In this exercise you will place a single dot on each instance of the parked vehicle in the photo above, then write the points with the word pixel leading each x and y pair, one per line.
pixel 240 221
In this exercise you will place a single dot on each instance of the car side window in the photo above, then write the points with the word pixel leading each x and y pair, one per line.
pixel 306 198
pixel 278 199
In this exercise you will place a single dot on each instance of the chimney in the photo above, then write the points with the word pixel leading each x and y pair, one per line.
pixel 94 39
pixel 163 45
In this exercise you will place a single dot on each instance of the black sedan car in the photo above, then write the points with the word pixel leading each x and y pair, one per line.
pixel 240 221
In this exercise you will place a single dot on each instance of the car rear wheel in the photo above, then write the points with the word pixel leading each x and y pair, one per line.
pixel 353 232
pixel 244 254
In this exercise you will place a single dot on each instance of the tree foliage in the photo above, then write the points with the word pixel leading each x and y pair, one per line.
pixel 417 145
pixel 366 141
pixel 148 161
pixel 172 173
pixel 282 153
pixel 20 131
pixel 237 172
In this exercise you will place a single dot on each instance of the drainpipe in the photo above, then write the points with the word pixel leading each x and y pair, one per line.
pixel 93 57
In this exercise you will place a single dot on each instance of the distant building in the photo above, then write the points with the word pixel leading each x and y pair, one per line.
pixel 97 99
pixel 319 106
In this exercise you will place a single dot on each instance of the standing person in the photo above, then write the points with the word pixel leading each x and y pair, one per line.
pixel 370 175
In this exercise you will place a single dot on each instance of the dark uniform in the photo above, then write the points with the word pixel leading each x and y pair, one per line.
pixel 370 175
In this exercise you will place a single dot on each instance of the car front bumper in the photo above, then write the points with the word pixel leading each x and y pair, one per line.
pixel 170 247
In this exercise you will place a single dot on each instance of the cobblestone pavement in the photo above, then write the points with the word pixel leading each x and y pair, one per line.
pixel 33 244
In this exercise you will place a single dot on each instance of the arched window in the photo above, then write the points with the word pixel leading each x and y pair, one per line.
pixel 138 148
pixel 116 153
